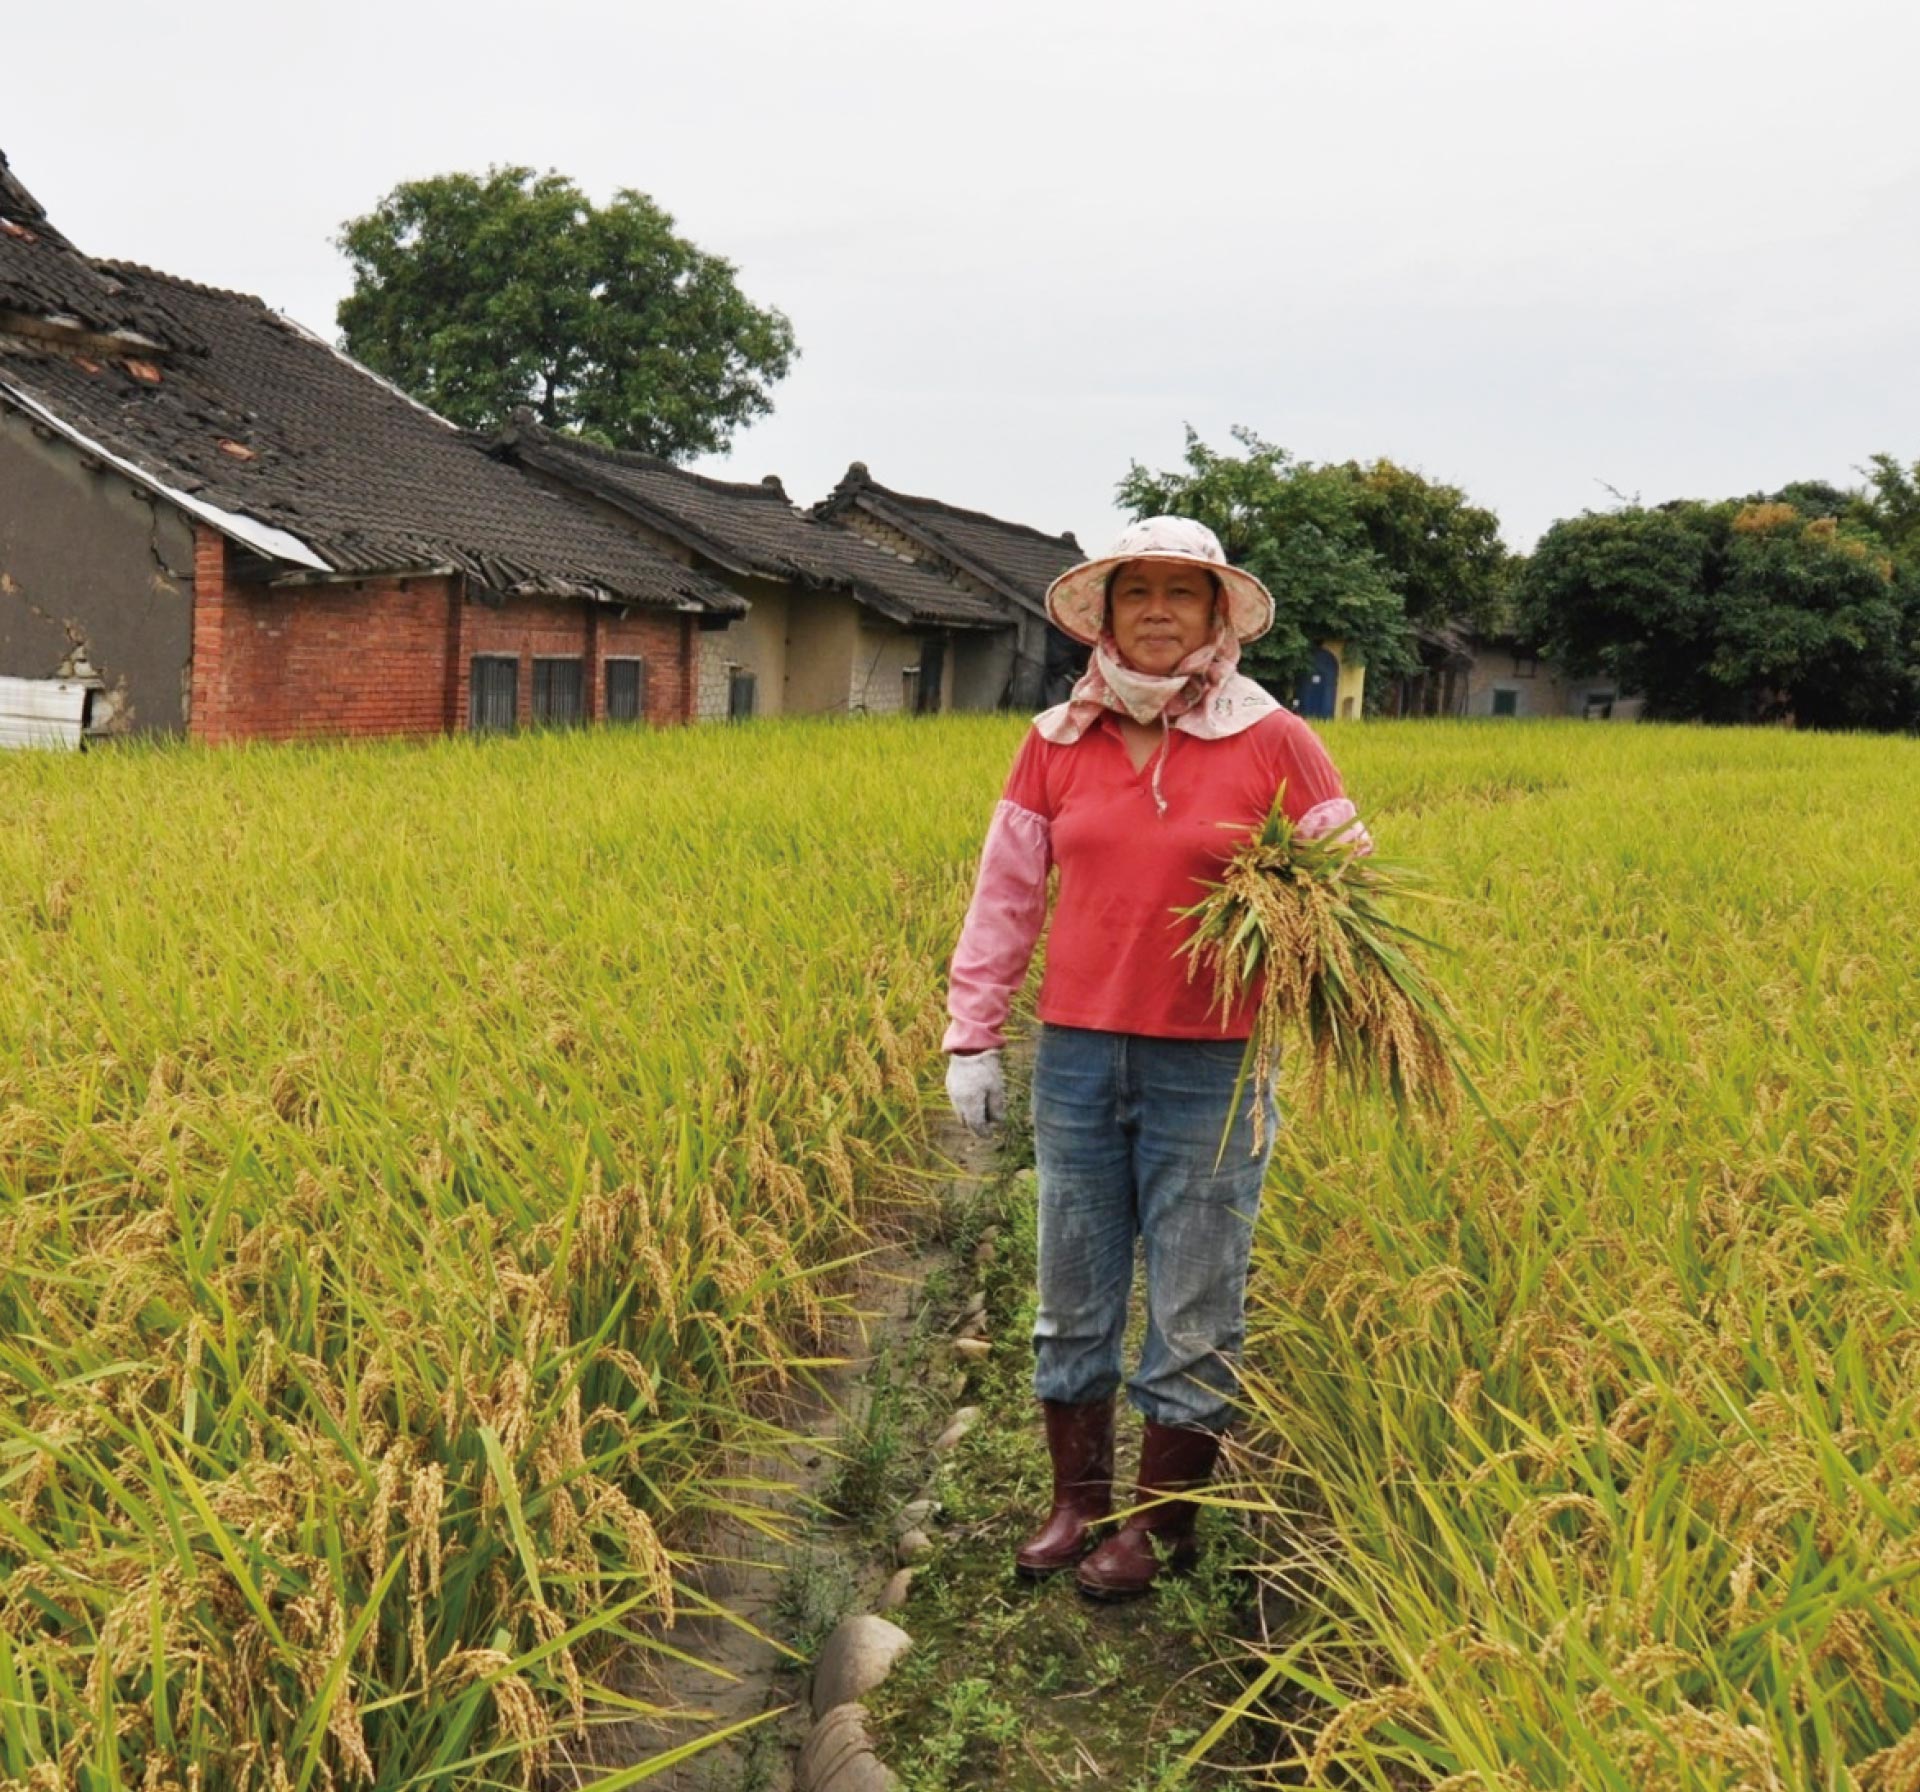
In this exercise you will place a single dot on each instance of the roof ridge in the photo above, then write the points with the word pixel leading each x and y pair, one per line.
pixel 768 489
pixel 293 326
pixel 867 482
pixel 116 264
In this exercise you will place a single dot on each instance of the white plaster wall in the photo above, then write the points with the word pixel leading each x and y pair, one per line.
pixel 756 643
pixel 1542 691
pixel 881 656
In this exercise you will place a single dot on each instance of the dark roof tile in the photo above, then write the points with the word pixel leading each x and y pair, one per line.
pixel 363 476
pixel 1018 561
pixel 42 275
pixel 750 528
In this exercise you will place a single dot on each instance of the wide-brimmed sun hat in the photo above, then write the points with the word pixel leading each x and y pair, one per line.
pixel 1077 599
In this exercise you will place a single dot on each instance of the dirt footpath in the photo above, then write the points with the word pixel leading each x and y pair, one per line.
pixel 773 1587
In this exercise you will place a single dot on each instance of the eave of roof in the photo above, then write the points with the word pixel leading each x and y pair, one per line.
pixel 266 539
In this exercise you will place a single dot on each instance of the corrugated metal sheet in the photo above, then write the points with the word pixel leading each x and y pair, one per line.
pixel 42 712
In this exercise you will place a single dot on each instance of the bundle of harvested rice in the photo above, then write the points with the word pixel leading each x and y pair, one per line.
pixel 1301 920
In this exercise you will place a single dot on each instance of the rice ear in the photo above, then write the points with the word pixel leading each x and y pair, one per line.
pixel 1301 922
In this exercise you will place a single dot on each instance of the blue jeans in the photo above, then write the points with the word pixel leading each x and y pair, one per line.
pixel 1126 1130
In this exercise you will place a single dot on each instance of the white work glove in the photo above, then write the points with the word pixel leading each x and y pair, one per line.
pixel 977 1088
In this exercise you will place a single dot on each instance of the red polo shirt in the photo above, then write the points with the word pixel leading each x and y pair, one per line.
pixel 1113 955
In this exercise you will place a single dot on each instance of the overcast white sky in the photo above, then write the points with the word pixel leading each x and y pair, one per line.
pixel 1524 245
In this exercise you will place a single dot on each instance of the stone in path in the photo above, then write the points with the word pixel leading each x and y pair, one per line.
pixel 855 1659
pixel 913 1516
pixel 839 1757
pixel 963 1421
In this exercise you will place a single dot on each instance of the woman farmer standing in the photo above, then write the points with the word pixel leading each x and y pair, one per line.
pixel 1137 788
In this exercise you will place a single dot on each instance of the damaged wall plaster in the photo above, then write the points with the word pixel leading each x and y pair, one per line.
pixel 96 582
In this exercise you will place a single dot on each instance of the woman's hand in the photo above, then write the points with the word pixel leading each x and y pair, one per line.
pixel 977 1088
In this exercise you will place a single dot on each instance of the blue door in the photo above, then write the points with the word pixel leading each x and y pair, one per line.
pixel 1313 695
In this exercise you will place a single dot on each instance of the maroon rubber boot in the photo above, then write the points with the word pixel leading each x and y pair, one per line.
pixel 1080 1441
pixel 1173 1460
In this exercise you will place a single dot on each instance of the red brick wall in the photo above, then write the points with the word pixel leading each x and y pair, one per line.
pixel 393 656
pixel 206 680
pixel 270 663
pixel 526 626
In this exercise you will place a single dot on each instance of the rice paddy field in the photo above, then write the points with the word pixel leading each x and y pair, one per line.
pixel 419 1164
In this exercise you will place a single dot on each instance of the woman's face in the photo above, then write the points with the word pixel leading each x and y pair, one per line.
pixel 1160 611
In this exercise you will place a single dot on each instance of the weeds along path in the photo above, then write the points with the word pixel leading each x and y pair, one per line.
pixel 912 1474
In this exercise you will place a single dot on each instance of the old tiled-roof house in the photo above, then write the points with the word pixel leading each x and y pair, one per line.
pixel 231 529
pixel 983 554
pixel 836 623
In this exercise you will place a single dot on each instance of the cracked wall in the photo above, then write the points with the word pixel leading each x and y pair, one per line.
pixel 96 581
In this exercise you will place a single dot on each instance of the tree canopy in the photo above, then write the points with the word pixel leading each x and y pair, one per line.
pixel 482 294
pixel 1350 552
pixel 1444 553
pixel 1890 505
pixel 1783 608
pixel 1800 605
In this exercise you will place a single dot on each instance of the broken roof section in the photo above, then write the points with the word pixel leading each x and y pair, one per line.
pixel 1009 558
pixel 45 279
pixel 749 529
pixel 289 447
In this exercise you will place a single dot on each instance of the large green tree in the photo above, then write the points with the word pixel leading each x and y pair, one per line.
pixel 1743 611
pixel 1444 552
pixel 481 294
pixel 1298 528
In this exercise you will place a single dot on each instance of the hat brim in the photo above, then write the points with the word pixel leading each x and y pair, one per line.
pixel 1077 599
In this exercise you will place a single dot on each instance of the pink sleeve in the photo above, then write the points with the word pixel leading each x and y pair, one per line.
pixel 1314 800
pixel 1008 909
pixel 1003 922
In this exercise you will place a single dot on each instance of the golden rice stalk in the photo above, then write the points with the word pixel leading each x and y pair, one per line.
pixel 1299 920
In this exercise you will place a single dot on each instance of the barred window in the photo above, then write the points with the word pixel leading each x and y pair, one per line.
pixel 493 699
pixel 626 690
pixel 557 687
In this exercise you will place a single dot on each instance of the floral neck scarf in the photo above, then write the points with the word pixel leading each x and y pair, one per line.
pixel 1205 695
